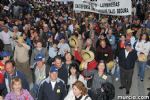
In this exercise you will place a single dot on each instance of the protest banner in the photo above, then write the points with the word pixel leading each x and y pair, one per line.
pixel 107 7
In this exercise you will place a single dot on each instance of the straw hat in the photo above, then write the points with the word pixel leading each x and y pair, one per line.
pixel 73 41
pixel 142 57
pixel 83 65
pixel 110 65
pixel 130 31
pixel 88 56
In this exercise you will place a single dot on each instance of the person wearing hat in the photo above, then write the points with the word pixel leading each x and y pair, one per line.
pixel 52 88
pixel 38 49
pixel 130 37
pixel 6 36
pixel 98 78
pixel 5 57
pixel 40 72
pixel 127 58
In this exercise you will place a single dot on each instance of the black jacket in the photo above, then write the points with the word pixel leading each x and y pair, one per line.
pixel 46 92
pixel 63 74
pixel 129 62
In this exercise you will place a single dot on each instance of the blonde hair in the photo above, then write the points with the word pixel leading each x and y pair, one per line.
pixel 81 87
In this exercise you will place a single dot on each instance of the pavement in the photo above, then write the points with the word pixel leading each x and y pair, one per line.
pixel 138 88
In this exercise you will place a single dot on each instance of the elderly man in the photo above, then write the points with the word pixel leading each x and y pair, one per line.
pixel 127 58
pixel 5 36
pixel 52 87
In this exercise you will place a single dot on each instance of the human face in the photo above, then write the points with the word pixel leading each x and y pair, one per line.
pixel 143 37
pixel 88 42
pixel 122 38
pixel 128 48
pixel 39 45
pixel 103 44
pixel 6 58
pixel 101 67
pixel 9 68
pixel 40 63
pixel 17 86
pixel 73 71
pixel 5 29
pixel 68 57
pixel 58 63
pixel 53 75
pixel 15 30
pixel 110 32
pixel 76 91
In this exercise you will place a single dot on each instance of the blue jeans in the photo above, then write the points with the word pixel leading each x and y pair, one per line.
pixel 35 90
pixel 142 66
pixel 117 71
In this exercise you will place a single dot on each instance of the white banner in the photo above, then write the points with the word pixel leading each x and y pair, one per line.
pixel 107 7
pixel 62 0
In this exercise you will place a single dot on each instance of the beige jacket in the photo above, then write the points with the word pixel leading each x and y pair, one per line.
pixel 21 53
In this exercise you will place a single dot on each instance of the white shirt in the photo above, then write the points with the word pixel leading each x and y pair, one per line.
pixel 142 46
pixel 5 37
pixel 126 53
pixel 63 48
pixel 52 52
pixel 71 96
pixel 53 84
pixel 72 79
pixel 71 28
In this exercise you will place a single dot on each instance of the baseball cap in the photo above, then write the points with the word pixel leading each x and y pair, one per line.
pixel 127 43
pixel 39 57
pixel 5 54
pixel 53 69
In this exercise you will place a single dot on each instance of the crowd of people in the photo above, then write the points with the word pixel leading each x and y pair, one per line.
pixel 69 55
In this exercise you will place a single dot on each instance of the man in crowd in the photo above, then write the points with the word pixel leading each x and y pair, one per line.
pixel 11 72
pixel 5 36
pixel 52 88
pixel 62 70
pixel 127 58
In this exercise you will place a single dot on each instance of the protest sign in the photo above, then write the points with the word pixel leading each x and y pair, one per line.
pixel 107 7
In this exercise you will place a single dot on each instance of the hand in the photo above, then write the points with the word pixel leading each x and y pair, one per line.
pixel 88 78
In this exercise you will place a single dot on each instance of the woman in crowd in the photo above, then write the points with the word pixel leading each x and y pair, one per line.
pixel 99 77
pixel 79 92
pixel 143 48
pixel 74 75
pixel 17 93
pixel 68 60
pixel 104 52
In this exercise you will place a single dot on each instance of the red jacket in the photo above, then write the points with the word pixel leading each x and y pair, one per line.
pixel 91 65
